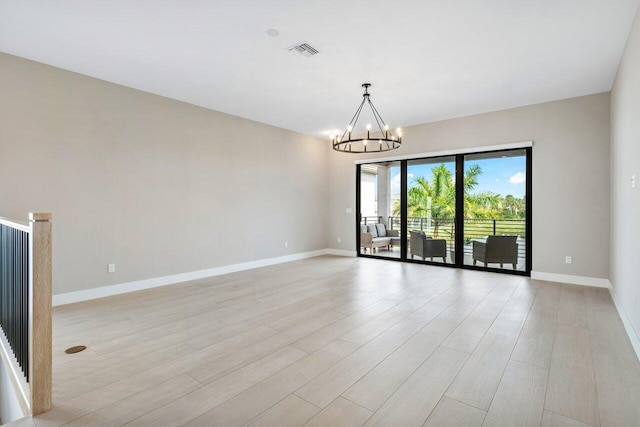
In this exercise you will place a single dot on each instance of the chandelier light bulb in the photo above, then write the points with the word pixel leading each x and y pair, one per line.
pixel 368 126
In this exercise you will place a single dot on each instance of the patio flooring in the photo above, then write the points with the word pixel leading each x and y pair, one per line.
pixel 468 260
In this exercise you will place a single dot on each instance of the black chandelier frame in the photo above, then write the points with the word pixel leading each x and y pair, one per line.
pixel 386 141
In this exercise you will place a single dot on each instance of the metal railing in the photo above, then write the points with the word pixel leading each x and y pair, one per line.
pixel 477 228
pixel 14 292
pixel 474 228
pixel 25 309
pixel 370 220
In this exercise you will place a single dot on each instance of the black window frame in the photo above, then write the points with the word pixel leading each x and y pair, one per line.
pixel 459 220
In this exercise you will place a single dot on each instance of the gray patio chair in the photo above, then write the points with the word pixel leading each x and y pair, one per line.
pixel 497 249
pixel 426 247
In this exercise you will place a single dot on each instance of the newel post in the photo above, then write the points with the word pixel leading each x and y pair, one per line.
pixel 40 306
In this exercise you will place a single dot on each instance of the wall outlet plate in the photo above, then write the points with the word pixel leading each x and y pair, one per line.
pixel 567 259
pixel 111 268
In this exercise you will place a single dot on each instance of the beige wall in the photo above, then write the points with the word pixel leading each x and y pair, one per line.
pixel 625 162
pixel 160 187
pixel 156 186
pixel 570 176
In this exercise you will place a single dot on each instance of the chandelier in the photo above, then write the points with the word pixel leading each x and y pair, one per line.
pixel 385 140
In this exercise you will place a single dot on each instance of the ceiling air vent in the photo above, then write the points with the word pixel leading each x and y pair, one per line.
pixel 304 49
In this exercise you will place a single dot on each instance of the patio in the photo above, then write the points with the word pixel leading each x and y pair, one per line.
pixel 468 259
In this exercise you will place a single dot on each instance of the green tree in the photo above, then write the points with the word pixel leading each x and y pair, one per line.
pixel 513 207
pixel 435 199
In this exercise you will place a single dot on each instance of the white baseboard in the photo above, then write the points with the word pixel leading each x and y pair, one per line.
pixel 123 288
pixel 628 326
pixel 342 252
pixel 574 280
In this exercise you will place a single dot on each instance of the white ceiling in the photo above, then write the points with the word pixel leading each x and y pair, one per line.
pixel 428 60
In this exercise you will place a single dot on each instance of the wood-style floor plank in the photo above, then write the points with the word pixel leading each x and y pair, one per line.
pixel 450 412
pixel 289 412
pixel 414 400
pixel 340 413
pixel 374 388
pixel 519 400
pixel 549 419
pixel 478 380
pixel 139 404
pixel 536 339
pixel 571 389
pixel 332 383
pixel 618 390
pixel 346 342
pixel 257 399
pixel 190 405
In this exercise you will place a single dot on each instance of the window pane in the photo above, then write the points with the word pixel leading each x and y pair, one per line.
pixel 431 209
pixel 379 192
pixel 495 210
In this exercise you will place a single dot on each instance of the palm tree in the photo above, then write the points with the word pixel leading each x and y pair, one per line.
pixel 437 199
pixel 514 207
pixel 478 205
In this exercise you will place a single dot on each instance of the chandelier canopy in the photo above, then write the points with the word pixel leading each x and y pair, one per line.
pixel 379 141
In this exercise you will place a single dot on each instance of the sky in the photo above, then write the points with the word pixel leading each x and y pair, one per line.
pixel 500 175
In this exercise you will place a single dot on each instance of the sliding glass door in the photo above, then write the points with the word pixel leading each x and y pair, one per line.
pixel 468 210
pixel 431 209
pixel 379 202
pixel 495 210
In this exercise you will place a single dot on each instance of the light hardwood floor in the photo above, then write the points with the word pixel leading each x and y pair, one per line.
pixel 334 341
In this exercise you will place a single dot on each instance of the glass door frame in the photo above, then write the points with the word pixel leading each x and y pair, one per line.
pixel 459 218
pixel 403 185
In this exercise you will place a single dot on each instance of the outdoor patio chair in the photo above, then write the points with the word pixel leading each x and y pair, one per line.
pixel 426 247
pixel 497 249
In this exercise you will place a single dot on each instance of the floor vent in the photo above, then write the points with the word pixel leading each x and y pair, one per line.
pixel 76 349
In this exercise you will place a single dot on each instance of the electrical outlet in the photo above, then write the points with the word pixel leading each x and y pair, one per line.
pixel 286 245
pixel 567 259
pixel 633 181
pixel 339 239
pixel 348 210
pixel 111 268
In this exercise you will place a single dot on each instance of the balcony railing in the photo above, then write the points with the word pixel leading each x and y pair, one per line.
pixel 370 220
pixel 473 228
pixel 444 228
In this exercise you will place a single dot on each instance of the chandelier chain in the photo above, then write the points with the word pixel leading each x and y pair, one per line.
pixel 354 119
pixel 376 116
